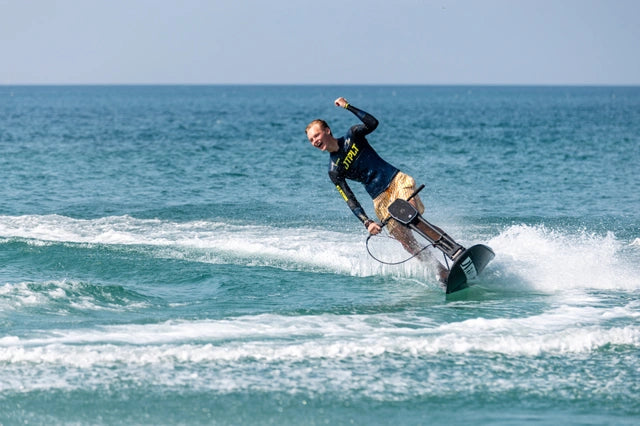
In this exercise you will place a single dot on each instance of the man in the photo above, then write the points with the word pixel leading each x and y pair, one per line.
pixel 351 157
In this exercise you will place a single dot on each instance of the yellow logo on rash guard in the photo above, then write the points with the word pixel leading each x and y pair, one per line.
pixel 351 155
pixel 342 193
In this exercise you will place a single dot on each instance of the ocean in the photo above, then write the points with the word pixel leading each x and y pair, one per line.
pixel 178 255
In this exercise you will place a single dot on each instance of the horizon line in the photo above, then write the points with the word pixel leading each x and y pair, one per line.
pixel 330 84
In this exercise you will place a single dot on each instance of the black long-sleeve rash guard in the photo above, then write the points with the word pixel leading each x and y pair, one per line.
pixel 355 159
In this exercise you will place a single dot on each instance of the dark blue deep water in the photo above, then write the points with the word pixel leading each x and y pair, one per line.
pixel 178 255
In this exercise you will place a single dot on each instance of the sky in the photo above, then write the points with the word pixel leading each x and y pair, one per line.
pixel 511 42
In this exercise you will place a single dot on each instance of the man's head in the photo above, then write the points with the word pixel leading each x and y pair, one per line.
pixel 319 134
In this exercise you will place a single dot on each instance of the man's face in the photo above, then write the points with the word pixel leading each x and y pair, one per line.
pixel 319 137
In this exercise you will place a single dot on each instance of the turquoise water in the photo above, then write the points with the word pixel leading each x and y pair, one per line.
pixel 178 255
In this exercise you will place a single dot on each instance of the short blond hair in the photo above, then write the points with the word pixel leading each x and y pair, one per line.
pixel 323 125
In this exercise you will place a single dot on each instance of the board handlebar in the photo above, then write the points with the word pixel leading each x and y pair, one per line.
pixel 420 188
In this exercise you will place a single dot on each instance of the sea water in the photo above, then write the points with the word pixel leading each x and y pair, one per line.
pixel 178 255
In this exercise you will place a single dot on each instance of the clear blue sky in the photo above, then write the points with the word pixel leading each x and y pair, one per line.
pixel 320 42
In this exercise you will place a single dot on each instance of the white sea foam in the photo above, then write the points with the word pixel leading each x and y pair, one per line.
pixel 273 337
pixel 533 257
pixel 310 353
pixel 59 296
pixel 345 366
pixel 214 242
pixel 550 260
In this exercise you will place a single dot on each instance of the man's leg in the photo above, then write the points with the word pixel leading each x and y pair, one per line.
pixel 402 187
pixel 411 245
